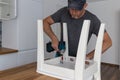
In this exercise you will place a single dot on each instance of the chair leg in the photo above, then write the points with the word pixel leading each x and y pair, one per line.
pixel 97 76
pixel 90 78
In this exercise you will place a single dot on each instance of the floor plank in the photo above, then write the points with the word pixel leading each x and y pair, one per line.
pixel 7 50
pixel 28 72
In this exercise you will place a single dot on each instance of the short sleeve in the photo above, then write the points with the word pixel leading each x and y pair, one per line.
pixel 96 26
pixel 57 15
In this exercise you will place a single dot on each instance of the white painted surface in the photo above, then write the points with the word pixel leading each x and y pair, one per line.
pixel 10 34
pixel 8 9
pixel 21 34
pixel 8 61
pixel 26 57
pixel 29 12
pixel 109 14
pixel 81 52
pixel 51 6
pixel 70 70
pixel 98 51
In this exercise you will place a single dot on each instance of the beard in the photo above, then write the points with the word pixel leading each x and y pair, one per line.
pixel 75 17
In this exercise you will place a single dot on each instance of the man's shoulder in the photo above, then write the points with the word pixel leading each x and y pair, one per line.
pixel 91 15
pixel 63 9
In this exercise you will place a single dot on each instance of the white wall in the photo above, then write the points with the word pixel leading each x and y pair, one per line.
pixel 8 61
pixel 21 34
pixel 9 34
pixel 109 12
pixel 29 12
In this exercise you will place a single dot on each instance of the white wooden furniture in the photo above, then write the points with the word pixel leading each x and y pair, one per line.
pixel 71 69
pixel 7 9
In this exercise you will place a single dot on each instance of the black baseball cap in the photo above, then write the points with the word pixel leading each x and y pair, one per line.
pixel 76 4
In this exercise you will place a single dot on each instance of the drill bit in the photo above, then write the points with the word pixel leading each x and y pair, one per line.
pixel 61 58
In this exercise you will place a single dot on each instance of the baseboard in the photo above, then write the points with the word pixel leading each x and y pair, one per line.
pixel 109 64
pixel 8 61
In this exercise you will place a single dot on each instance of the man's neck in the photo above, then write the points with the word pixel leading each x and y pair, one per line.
pixel 83 13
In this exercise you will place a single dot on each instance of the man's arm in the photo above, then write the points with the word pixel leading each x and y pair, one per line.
pixel 107 43
pixel 47 22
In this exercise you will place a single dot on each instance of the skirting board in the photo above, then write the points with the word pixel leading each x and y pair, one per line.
pixel 20 58
pixel 109 64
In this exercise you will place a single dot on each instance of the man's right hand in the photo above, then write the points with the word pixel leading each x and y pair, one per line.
pixel 55 43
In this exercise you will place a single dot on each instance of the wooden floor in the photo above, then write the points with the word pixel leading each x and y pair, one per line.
pixel 28 72
pixel 7 50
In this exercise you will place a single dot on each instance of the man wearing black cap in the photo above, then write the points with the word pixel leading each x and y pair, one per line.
pixel 74 15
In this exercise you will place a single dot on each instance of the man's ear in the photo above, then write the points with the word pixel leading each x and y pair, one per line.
pixel 85 5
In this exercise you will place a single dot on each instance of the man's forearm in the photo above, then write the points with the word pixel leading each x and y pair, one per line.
pixel 47 22
pixel 107 43
pixel 48 30
pixel 91 54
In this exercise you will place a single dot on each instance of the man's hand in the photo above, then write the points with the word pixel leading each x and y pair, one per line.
pixel 107 43
pixel 90 55
pixel 55 44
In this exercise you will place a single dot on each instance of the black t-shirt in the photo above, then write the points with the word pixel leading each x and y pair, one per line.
pixel 74 27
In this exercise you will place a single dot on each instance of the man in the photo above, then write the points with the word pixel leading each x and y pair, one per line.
pixel 74 15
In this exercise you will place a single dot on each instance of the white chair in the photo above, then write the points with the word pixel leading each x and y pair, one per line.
pixel 74 69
